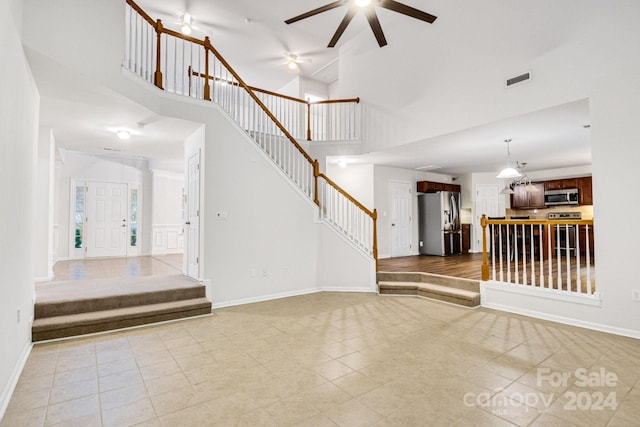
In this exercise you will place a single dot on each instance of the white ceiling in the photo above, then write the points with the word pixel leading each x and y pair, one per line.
pixel 252 36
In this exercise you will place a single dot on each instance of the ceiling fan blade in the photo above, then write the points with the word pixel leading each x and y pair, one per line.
pixel 374 22
pixel 407 10
pixel 343 26
pixel 313 12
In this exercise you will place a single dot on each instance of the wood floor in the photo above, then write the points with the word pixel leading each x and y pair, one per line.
pixel 466 266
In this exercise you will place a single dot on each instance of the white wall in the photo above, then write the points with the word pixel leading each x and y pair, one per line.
pixel 357 180
pixel 43 225
pixel 19 105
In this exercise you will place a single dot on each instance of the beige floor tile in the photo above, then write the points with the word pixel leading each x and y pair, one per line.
pixel 548 420
pixel 352 413
pixel 128 415
pixel 301 360
pixel 87 421
pixel 332 369
pixel 73 390
pixel 196 415
pixel 32 418
pixel 291 410
pixel 119 380
pixel 384 400
pixel 166 383
pixel 159 370
pixel 72 409
pixel 480 418
pixel 326 396
pixel 177 400
pixel 117 366
pixel 356 383
pixel 123 396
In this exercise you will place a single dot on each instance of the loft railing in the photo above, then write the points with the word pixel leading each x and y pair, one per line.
pixel 168 60
pixel 545 254
pixel 329 120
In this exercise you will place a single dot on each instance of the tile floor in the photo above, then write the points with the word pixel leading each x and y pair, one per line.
pixel 104 268
pixel 335 359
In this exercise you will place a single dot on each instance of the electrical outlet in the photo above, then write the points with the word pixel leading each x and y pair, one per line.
pixel 635 295
pixel 18 315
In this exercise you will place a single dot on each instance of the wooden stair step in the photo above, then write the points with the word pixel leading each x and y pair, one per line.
pixel 431 290
pixel 117 318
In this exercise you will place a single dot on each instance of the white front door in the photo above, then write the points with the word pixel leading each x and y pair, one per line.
pixel 193 218
pixel 400 195
pixel 106 219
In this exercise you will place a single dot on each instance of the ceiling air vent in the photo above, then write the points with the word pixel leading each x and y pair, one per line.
pixel 517 79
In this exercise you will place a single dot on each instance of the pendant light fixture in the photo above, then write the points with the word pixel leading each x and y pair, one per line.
pixel 508 172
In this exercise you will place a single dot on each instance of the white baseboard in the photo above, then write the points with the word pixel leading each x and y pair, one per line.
pixel 43 279
pixel 343 289
pixel 262 298
pixel 5 397
pixel 307 291
pixel 565 320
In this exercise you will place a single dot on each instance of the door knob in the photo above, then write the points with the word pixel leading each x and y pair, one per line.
pixel 187 223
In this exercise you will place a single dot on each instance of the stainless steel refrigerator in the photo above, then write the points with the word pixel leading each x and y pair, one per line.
pixel 439 228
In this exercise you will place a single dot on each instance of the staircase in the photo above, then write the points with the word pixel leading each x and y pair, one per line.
pixel 454 290
pixel 108 304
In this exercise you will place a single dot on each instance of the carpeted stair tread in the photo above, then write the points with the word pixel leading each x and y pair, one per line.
pixel 436 279
pixel 431 290
pixel 104 320
pixel 61 307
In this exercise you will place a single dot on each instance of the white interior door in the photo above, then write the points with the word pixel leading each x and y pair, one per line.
pixel 489 202
pixel 400 195
pixel 106 219
pixel 193 218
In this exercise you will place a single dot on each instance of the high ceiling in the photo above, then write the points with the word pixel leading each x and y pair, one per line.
pixel 253 37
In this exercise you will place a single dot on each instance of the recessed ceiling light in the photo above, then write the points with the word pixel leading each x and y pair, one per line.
pixel 363 3
pixel 123 134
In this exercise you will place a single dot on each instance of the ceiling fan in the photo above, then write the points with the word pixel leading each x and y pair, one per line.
pixel 291 60
pixel 368 6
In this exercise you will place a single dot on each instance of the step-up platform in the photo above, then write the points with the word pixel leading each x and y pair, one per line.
pixel 455 290
pixel 70 308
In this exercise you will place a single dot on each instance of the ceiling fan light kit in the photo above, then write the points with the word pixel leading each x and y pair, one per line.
pixel 187 22
pixel 368 7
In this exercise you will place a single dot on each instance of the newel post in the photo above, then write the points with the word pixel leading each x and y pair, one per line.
pixel 157 77
pixel 308 121
pixel 375 236
pixel 485 261
pixel 316 174
pixel 207 88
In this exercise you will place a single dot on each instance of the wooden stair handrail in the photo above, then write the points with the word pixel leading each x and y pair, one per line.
pixel 347 195
pixel 279 95
pixel 206 43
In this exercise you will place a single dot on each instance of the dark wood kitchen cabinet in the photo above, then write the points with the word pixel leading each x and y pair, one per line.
pixel 466 238
pixel 560 184
pixel 521 199
pixel 585 191
pixel 433 187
